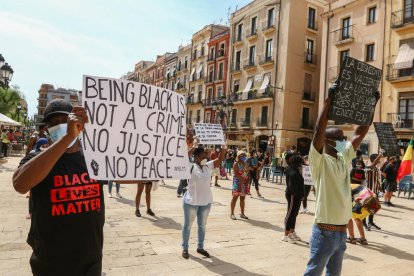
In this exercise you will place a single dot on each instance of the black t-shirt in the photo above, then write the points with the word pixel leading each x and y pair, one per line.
pixel 391 173
pixel 295 184
pixel 66 233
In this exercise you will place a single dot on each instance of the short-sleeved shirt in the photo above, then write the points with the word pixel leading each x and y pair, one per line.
pixel 332 185
pixel 391 173
pixel 199 189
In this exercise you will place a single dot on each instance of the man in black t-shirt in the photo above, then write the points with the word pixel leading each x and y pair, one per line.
pixel 66 232
pixel 390 173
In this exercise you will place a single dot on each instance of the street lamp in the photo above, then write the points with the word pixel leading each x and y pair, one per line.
pixel 273 112
pixel 18 108
pixel 25 118
pixel 223 110
pixel 6 73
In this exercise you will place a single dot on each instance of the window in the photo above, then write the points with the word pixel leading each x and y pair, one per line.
pixel 220 91
pixel 238 57
pixel 269 45
pixel 179 65
pixel 185 62
pixel 263 117
pixel 239 32
pixel 305 117
pixel 234 116
pixel 372 14
pixel 254 26
pixel 220 71
pixel 311 18
pixel 210 93
pixel 194 53
pixel 406 112
pixel 221 51
pixel 369 55
pixel 270 17
pixel 202 49
pixel 236 86
pixel 346 28
pixel 307 86
pixel 185 81
pixel 343 55
pixel 211 54
pixel 247 115
pixel 211 74
pixel 208 118
pixel 198 116
pixel 252 55
pixel 408 10
pixel 190 117
pixel 200 92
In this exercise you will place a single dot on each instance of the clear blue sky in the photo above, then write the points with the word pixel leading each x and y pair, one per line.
pixel 56 42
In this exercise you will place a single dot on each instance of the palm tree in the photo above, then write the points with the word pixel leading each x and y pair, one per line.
pixel 9 99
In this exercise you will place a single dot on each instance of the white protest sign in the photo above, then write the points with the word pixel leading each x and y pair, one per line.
pixel 136 131
pixel 307 177
pixel 209 134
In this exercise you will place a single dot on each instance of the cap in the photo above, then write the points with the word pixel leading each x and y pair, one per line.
pixel 289 155
pixel 58 106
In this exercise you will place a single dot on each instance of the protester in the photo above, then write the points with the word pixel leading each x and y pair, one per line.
pixel 4 142
pixel 358 158
pixel 294 194
pixel 390 184
pixel 329 158
pixel 35 137
pixel 216 170
pixel 374 184
pixel 147 185
pixel 66 232
pixel 10 136
pixel 357 173
pixel 266 166
pixel 358 213
pixel 241 186
pixel 198 198
pixel 307 189
pixel 229 161
pixel 117 187
pixel 253 164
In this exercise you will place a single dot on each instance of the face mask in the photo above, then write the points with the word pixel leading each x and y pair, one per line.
pixel 243 158
pixel 340 145
pixel 358 166
pixel 217 150
pixel 57 132
pixel 203 162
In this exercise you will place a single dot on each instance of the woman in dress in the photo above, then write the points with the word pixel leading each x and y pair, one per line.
pixel 241 185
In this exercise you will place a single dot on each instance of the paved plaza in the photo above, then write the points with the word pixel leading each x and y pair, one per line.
pixel 152 245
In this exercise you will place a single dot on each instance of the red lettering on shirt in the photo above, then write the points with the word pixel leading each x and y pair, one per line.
pixel 58 180
pixel 74 193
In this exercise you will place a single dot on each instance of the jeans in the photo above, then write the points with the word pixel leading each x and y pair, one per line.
pixel 266 172
pixel 327 248
pixel 117 186
pixel 190 212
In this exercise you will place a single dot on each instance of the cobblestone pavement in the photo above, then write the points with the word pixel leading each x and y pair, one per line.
pixel 152 245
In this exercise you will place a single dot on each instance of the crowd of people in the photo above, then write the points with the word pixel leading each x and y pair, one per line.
pixel 42 172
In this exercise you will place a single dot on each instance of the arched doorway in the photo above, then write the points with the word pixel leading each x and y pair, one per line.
pixel 303 145
pixel 262 142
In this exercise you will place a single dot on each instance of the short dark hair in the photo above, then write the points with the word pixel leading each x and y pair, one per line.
pixel 198 151
pixel 373 156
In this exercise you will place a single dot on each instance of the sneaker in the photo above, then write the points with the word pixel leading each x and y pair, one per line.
pixel 185 254
pixel 296 237
pixel 374 225
pixel 110 195
pixel 151 213
pixel 302 211
pixel 367 227
pixel 217 185
pixel 288 239
pixel 306 211
pixel 137 213
pixel 203 252
pixel 178 195
pixel 118 195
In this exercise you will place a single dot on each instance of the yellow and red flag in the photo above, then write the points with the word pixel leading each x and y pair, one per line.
pixel 405 167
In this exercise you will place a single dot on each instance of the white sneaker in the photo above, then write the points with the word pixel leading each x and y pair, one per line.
pixel 302 211
pixel 110 195
pixel 118 195
pixel 306 211
pixel 288 239
pixel 295 237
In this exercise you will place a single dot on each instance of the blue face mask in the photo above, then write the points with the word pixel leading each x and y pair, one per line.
pixel 57 132
pixel 340 145
pixel 243 159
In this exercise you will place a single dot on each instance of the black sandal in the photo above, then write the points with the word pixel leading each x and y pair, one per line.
pixel 351 240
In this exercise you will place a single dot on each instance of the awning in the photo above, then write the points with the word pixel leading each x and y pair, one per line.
pixel 264 84
pixel 192 73
pixel 4 120
pixel 176 85
pixel 200 67
pixel 173 71
pixel 245 94
pixel 167 73
pixel 405 56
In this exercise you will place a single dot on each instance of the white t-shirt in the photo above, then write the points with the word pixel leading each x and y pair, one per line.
pixel 198 189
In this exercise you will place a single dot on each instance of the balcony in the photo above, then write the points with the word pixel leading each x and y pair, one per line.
pixel 208 102
pixel 251 35
pixel 403 19
pixel 211 58
pixel 246 123
pixel 238 40
pixel 194 55
pixel 266 61
pixel 312 26
pixel 308 97
pixel 237 68
pixel 253 94
pixel 268 27
pixel 399 75
pixel 310 58
pixel 233 125
pixel 401 120
pixel 249 65
pixel 190 100
pixel 262 122
pixel 343 36
pixel 220 53
pixel 210 78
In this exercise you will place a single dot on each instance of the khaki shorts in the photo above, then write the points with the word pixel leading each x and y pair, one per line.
pixel 216 172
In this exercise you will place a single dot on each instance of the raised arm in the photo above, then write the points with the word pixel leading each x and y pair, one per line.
pixel 321 124
pixel 221 156
pixel 33 172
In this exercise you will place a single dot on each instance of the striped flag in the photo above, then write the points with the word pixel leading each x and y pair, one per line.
pixel 405 167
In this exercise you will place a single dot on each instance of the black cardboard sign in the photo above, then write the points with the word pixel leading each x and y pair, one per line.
pixel 355 101
pixel 387 139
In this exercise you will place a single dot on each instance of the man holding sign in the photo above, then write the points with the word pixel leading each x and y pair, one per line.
pixel 329 158
pixel 66 232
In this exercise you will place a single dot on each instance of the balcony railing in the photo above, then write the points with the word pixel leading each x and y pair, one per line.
pixel 401 120
pixel 210 78
pixel 237 66
pixel 238 38
pixel 252 95
pixel 395 74
pixel 268 25
pixel 246 122
pixel 233 124
pixel 310 58
pixel 306 125
pixel 402 17
pixel 343 35
pixel 220 53
pixel 208 102
pixel 251 33
pixel 308 96
pixel 266 60
pixel 211 57
pixel 249 64
pixel 262 122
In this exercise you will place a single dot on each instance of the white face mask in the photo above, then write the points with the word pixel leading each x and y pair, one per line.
pixel 203 162
pixel 340 145
pixel 58 131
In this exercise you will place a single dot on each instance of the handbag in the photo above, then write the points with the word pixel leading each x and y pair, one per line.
pixel 223 172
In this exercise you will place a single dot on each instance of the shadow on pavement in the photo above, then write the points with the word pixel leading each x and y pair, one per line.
pixel 402 236
pixel 389 250
pixel 403 207
pixel 353 258
pixel 263 224
pixel 386 216
pixel 124 201
pixel 220 267
pixel 164 222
